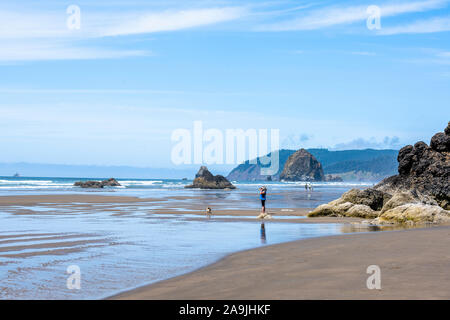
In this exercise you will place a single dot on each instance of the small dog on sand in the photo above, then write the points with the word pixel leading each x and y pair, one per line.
pixel 208 211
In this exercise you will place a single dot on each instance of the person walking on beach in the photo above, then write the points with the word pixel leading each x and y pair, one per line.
pixel 262 196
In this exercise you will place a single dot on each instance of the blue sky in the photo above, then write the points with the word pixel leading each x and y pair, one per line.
pixel 113 91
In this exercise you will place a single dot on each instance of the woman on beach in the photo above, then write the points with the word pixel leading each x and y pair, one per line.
pixel 262 196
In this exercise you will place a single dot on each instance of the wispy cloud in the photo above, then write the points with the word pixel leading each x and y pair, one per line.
pixel 294 141
pixel 173 20
pixel 420 26
pixel 35 35
pixel 344 52
pixel 431 56
pixel 14 51
pixel 88 91
pixel 94 24
pixel 44 35
pixel 338 15
pixel 363 53
pixel 371 143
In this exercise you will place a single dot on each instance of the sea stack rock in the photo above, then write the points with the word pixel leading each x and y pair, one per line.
pixel 111 183
pixel 97 184
pixel 420 193
pixel 206 180
pixel 302 166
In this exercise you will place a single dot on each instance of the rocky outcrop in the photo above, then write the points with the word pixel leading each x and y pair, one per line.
pixel 111 183
pixel 420 193
pixel 414 213
pixel 372 198
pixel 302 166
pixel 206 180
pixel 440 142
pixel 424 169
pixel 97 184
pixel 354 203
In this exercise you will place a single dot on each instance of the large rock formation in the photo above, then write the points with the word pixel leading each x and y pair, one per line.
pixel 419 193
pixel 302 166
pixel 97 184
pixel 206 180
pixel 350 165
pixel 424 169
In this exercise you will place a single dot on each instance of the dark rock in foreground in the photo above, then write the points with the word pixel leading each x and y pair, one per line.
pixel 206 180
pixel 423 169
pixel 419 193
pixel 302 166
pixel 97 184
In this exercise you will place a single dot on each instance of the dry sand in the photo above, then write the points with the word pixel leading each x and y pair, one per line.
pixel 414 264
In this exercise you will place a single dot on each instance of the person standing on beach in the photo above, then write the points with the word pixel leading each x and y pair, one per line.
pixel 262 196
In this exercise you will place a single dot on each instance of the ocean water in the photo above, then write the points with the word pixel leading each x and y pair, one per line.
pixel 123 246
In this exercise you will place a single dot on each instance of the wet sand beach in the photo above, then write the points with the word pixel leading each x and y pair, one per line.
pixel 124 242
pixel 121 242
pixel 30 200
pixel 23 205
pixel 414 264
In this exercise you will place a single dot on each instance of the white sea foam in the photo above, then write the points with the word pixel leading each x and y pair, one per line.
pixel 140 182
pixel 35 187
pixel 173 185
pixel 38 182
pixel 65 184
pixel 302 184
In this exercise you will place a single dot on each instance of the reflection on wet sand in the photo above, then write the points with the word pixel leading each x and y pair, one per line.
pixel 263 234
pixel 363 227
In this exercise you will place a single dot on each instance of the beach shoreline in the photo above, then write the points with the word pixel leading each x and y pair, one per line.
pixel 331 267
